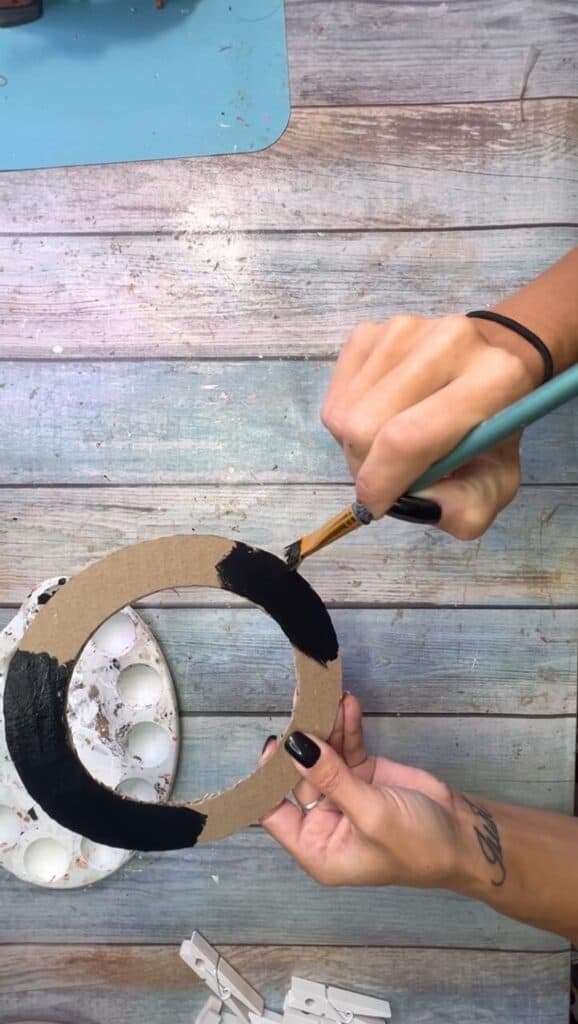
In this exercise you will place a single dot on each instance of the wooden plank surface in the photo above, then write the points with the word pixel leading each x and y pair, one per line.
pixel 525 761
pixel 529 557
pixel 131 984
pixel 397 661
pixel 198 422
pixel 278 255
pixel 258 895
pixel 357 51
pixel 334 169
pixel 271 294
pixel 412 661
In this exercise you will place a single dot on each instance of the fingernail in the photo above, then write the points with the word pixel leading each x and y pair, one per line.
pixel 362 513
pixel 267 742
pixel 302 749
pixel 415 510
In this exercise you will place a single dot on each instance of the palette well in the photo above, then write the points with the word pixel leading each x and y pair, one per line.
pixel 123 722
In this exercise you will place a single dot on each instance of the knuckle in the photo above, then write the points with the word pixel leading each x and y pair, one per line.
pixel 331 418
pixel 362 335
pixel 441 792
pixel 459 331
pixel 329 778
pixel 401 436
pixel 515 369
pixel 363 328
pixel 507 375
pixel 455 324
pixel 502 362
pixel 445 794
pixel 425 779
pixel 399 325
pixel 468 328
pixel 358 431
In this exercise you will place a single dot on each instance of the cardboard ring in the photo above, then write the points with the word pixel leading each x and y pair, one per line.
pixel 36 689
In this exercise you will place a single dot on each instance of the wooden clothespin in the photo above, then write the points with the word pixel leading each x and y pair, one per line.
pixel 310 1002
pixel 224 981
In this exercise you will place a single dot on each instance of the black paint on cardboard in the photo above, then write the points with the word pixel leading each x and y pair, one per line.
pixel 286 596
pixel 41 748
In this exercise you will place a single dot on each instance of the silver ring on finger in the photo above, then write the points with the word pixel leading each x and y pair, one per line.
pixel 307 808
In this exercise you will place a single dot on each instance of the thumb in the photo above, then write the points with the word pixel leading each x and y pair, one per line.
pixel 321 765
pixel 475 494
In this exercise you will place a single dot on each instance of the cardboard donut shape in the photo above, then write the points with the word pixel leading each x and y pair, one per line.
pixel 35 696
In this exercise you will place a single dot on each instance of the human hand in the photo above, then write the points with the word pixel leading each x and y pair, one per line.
pixel 380 823
pixel 405 392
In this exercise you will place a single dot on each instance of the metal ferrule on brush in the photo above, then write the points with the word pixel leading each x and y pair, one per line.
pixel 351 519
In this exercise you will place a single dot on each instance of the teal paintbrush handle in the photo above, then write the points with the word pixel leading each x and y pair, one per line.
pixel 541 401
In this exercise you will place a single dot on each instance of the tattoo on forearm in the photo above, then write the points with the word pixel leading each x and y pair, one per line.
pixel 489 839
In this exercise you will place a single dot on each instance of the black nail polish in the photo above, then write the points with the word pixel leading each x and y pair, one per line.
pixel 412 509
pixel 302 749
pixel 268 741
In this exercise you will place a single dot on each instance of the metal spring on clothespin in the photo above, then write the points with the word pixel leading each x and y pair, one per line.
pixel 224 991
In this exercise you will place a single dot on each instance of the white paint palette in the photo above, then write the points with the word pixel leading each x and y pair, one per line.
pixel 123 719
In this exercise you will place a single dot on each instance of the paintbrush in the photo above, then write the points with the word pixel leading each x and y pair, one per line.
pixel 517 416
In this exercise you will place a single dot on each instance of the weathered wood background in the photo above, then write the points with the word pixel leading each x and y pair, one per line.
pixel 166 334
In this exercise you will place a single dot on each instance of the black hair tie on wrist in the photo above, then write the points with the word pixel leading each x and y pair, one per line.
pixel 524 332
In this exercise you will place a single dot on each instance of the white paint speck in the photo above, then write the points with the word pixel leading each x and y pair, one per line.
pixel 215 879
pixel 57 349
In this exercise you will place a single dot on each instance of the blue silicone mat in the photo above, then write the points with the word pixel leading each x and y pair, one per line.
pixel 103 81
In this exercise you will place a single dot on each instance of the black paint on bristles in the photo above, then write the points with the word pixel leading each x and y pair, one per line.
pixel 293 555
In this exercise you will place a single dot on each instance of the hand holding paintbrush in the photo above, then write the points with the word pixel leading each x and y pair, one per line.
pixel 483 437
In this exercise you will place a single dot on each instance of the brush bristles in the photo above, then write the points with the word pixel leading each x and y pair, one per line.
pixel 293 555
pixel 337 527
